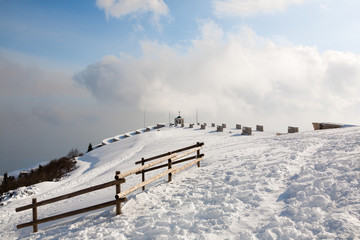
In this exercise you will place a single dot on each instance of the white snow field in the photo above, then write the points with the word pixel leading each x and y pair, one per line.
pixel 293 186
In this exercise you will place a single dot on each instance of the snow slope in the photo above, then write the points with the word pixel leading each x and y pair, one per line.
pixel 293 186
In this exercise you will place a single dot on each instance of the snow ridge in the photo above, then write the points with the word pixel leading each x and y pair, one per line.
pixel 293 186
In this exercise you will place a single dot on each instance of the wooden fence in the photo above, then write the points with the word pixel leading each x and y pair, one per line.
pixel 172 158
pixel 36 204
pixel 196 148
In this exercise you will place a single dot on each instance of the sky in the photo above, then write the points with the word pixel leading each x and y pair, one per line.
pixel 76 72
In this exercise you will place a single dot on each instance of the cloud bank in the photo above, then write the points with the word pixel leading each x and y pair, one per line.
pixel 232 75
pixel 246 8
pixel 121 8
pixel 38 107
pixel 44 114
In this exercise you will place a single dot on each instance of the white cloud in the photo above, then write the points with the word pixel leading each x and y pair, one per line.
pixel 37 91
pixel 44 113
pixel 31 81
pixel 246 8
pixel 121 8
pixel 233 76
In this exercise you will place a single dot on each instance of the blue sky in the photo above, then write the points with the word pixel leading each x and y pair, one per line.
pixel 79 33
pixel 74 72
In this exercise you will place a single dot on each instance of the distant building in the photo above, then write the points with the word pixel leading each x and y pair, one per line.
pixel 321 125
pixel 179 120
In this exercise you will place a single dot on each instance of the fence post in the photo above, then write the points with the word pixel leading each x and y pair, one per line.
pixel 198 154
pixel 143 173
pixel 169 167
pixel 34 212
pixel 118 190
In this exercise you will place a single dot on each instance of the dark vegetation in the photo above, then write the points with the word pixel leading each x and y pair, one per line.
pixel 53 171
pixel 90 148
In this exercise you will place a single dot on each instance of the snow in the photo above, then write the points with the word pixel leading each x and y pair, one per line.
pixel 294 186
pixel 107 141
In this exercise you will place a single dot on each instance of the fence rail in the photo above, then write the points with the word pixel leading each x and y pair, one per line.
pixel 172 158
pixel 167 154
pixel 166 164
pixel 35 204
pixel 72 213
pixel 194 148
pixel 70 195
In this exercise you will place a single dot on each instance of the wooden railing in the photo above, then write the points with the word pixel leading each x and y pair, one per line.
pixel 170 162
pixel 36 204
pixel 173 158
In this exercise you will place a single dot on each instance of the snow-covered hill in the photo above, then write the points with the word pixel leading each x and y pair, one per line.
pixel 293 186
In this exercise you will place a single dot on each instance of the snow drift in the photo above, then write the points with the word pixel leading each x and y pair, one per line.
pixel 293 186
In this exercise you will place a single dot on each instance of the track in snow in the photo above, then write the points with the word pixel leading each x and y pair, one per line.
pixel 300 186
